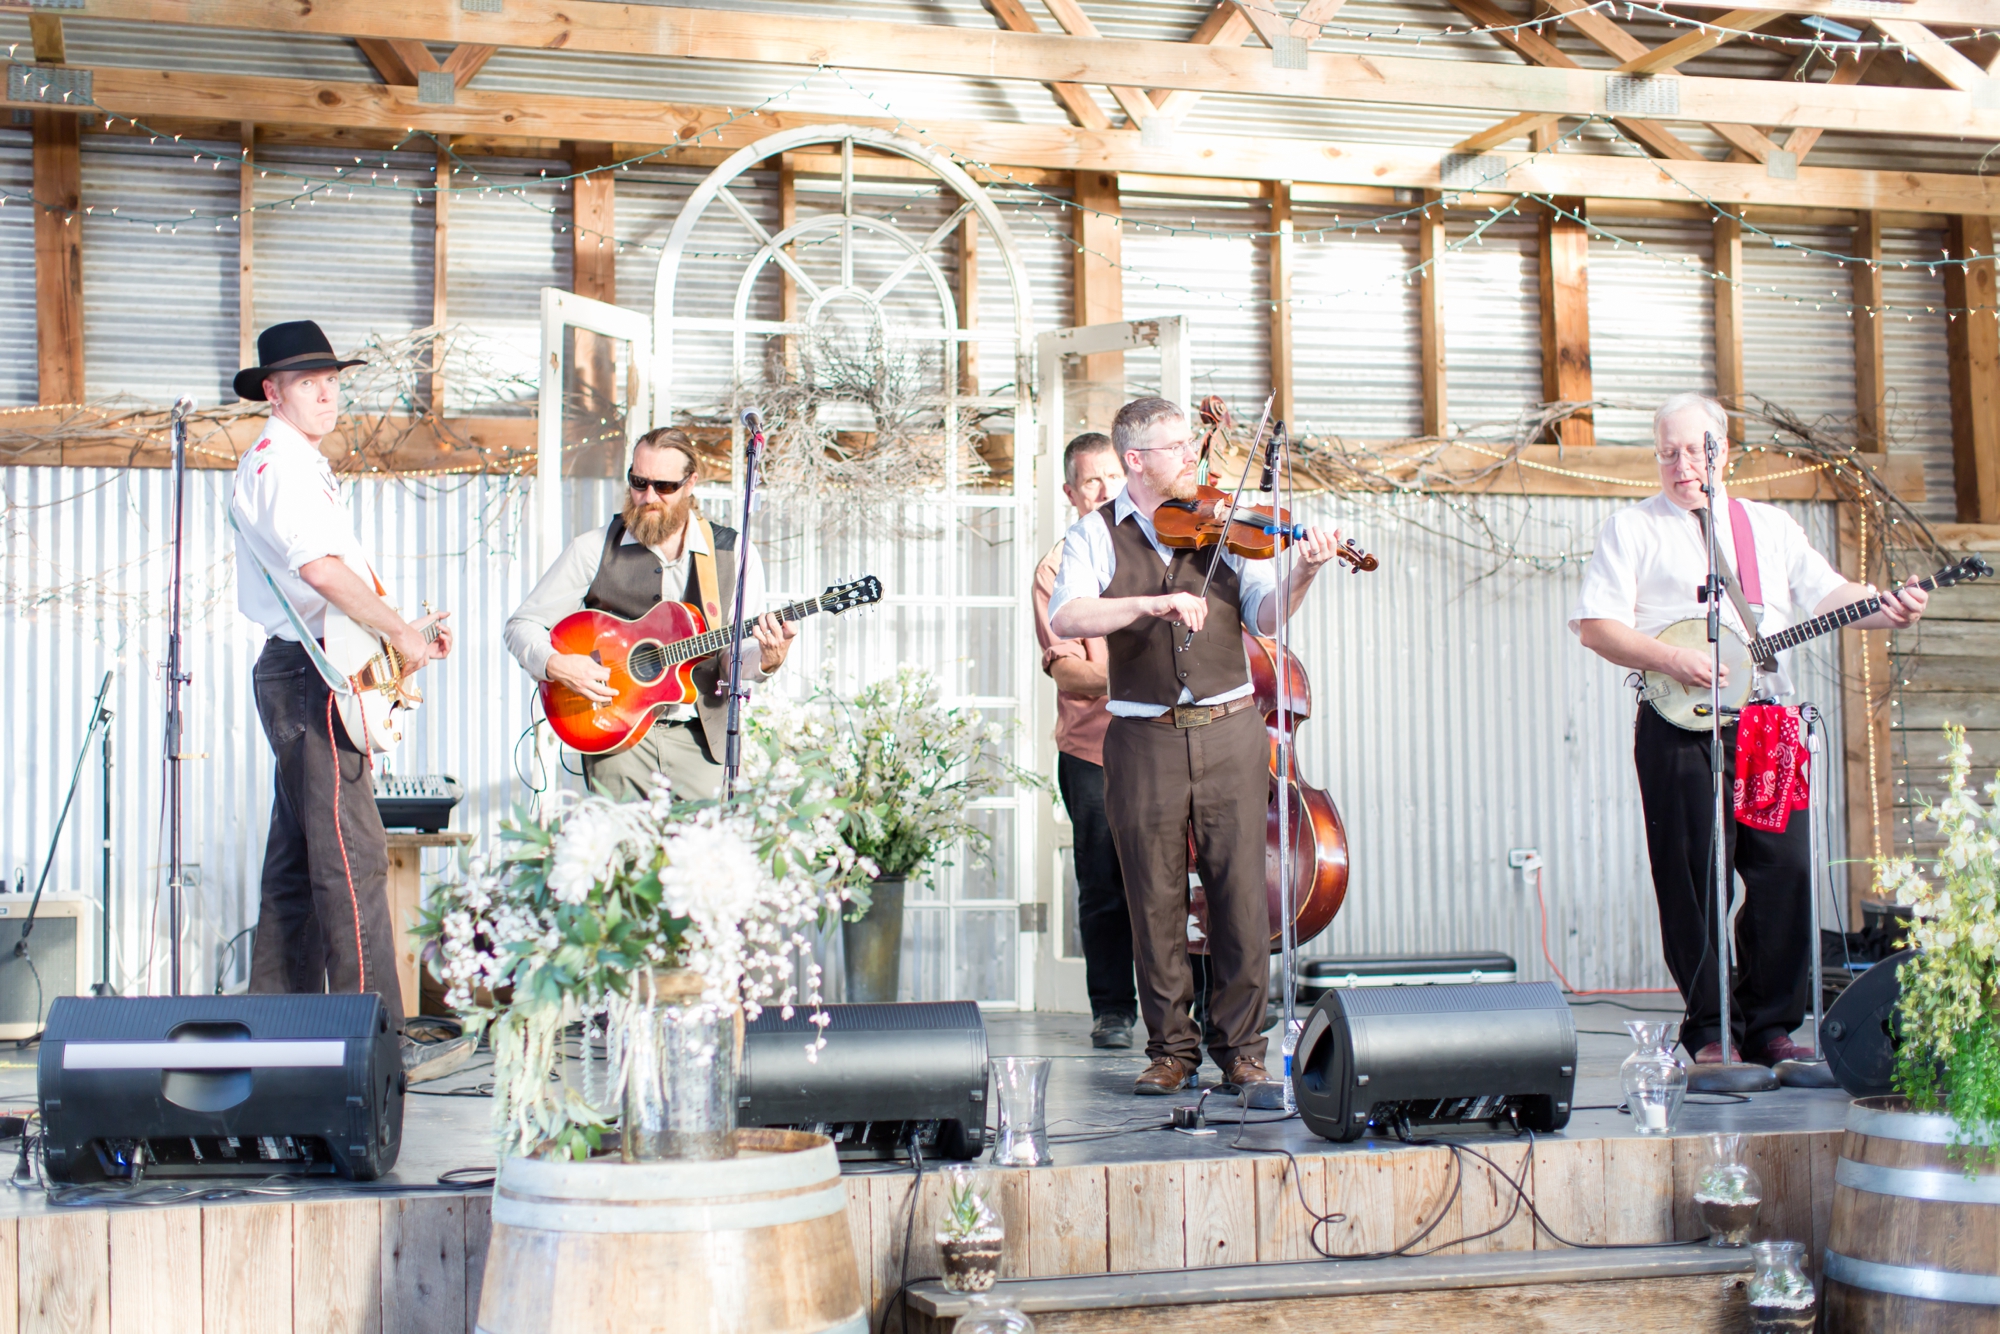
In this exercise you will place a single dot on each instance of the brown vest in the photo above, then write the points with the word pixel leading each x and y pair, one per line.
pixel 628 585
pixel 1147 665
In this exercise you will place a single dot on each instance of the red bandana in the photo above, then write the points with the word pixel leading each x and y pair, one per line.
pixel 1770 767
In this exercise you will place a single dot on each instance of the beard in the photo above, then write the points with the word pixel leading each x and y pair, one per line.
pixel 657 521
pixel 1177 485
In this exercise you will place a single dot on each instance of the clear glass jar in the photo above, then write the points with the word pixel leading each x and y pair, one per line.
pixel 1655 1080
pixel 680 1082
pixel 1729 1193
pixel 991 1315
pixel 1021 1084
pixel 1782 1300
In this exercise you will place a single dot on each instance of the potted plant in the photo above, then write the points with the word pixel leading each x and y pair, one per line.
pixel 908 768
pixel 659 925
pixel 970 1238
pixel 1949 1013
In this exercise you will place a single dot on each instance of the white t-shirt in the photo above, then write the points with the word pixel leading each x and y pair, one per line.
pixel 289 511
pixel 1649 564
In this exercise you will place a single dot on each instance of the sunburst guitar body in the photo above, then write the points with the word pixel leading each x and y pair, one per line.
pixel 652 661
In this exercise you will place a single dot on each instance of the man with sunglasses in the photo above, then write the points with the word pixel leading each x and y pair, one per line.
pixel 660 548
pixel 1645 573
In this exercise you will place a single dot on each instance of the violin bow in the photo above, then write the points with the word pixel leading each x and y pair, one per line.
pixel 1235 500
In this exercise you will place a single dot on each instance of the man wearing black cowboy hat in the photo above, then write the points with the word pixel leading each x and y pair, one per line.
pixel 323 923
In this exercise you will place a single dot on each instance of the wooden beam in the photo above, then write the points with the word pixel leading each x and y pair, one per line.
pixel 58 187
pixel 1686 47
pixel 968 302
pixel 1230 22
pixel 1565 293
pixel 788 215
pixel 593 222
pixel 1965 13
pixel 246 232
pixel 1973 337
pixel 1800 142
pixel 1866 688
pixel 1940 57
pixel 1098 278
pixel 388 62
pixel 466 60
pixel 1430 314
pixel 1729 317
pixel 803 39
pixel 1133 101
pixel 1281 243
pixel 440 269
pixel 45 33
pixel 218 99
pixel 1074 97
pixel 1870 370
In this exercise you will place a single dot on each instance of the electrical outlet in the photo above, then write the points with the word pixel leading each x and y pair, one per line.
pixel 1520 858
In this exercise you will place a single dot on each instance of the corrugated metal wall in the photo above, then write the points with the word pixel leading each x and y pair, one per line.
pixel 160 273
pixel 1203 259
pixel 1354 327
pixel 1492 320
pixel 501 250
pixel 1918 361
pixel 1652 319
pixel 1798 338
pixel 17 279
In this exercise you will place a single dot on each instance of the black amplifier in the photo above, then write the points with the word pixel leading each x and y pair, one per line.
pixel 1391 1060
pixel 208 1086
pixel 417 801
pixel 889 1076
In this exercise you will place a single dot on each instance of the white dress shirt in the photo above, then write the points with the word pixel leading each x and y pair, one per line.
pixel 289 511
pixel 1088 562
pixel 1649 563
pixel 560 593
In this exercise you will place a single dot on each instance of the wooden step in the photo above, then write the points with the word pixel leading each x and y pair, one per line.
pixel 1642 1290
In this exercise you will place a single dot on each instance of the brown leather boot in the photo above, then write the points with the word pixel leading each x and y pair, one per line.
pixel 1167 1074
pixel 1247 1070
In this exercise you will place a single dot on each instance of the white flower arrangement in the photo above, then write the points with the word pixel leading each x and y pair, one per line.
pixel 1950 1007
pixel 571 918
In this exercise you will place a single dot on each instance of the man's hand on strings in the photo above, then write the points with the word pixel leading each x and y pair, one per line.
pixel 1316 549
pixel 1179 609
pixel 774 640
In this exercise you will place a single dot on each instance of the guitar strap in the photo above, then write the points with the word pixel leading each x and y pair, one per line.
pixel 704 573
pixel 335 682
pixel 1746 553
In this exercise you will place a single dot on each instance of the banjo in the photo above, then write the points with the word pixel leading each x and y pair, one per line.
pixel 1688 706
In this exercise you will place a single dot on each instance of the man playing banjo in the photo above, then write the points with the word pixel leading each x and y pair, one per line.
pixel 1644 575
pixel 660 548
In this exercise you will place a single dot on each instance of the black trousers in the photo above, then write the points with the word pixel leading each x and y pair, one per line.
pixel 323 923
pixel 1101 915
pixel 1773 954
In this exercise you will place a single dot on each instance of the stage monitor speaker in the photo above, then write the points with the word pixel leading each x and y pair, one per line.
pixel 220 1086
pixel 889 1076
pixel 1392 1060
pixel 1858 1036
pixel 63 948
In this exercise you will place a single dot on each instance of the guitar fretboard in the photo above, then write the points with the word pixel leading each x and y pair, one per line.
pixel 1791 635
pixel 648 660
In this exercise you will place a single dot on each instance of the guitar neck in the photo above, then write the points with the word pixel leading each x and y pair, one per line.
pixel 714 641
pixel 1793 635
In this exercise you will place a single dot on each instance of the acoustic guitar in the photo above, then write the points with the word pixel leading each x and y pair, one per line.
pixel 379 694
pixel 1688 706
pixel 652 663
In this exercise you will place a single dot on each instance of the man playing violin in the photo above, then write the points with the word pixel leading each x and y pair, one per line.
pixel 659 548
pixel 1185 749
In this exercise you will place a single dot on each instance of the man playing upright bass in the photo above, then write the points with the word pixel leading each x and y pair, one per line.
pixel 1185 748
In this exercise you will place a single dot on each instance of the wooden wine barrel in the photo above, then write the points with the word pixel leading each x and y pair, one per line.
pixel 1915 1242
pixel 755 1244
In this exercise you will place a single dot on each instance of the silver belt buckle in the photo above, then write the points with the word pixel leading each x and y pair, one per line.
pixel 1193 715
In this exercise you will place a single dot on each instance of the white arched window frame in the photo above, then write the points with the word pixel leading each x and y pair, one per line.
pixel 968 922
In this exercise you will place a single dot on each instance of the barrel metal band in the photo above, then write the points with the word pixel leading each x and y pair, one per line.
pixel 1911 1183
pixel 854 1324
pixel 1910 1127
pixel 1938 1285
pixel 544 1214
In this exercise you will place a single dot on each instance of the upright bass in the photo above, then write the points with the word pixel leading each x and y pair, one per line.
pixel 1318 839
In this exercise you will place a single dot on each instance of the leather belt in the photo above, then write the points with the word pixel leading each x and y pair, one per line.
pixel 1201 715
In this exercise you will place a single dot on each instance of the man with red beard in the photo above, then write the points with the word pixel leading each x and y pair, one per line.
pixel 1185 749
pixel 659 549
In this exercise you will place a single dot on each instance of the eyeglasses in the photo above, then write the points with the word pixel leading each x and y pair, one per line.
pixel 1184 447
pixel 659 486
pixel 1696 454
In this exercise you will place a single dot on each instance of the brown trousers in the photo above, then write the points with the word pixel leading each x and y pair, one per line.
pixel 1159 780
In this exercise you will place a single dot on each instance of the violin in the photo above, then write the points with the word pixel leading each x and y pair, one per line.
pixel 1318 838
pixel 1258 532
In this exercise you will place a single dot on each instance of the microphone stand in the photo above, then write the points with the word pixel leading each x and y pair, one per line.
pixel 1731 1075
pixel 176 678
pixel 1814 1073
pixel 732 762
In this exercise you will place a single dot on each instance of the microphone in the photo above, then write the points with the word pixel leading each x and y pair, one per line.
pixel 183 406
pixel 753 423
pixel 1270 479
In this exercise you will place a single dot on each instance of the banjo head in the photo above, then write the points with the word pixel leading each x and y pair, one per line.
pixel 1690 708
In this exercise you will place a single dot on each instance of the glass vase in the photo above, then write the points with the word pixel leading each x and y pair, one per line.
pixel 971 1261
pixel 1655 1080
pixel 1729 1193
pixel 1782 1300
pixel 680 1081
pixel 1021 1138
pixel 991 1315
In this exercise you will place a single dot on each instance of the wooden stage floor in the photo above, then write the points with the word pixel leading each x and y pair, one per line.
pixel 1124 1195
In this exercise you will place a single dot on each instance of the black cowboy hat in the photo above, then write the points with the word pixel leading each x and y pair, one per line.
pixel 298 345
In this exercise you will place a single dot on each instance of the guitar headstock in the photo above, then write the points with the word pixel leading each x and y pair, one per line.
pixel 1964 572
pixel 840 597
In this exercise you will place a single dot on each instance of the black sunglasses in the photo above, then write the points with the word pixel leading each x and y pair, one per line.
pixel 655 484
